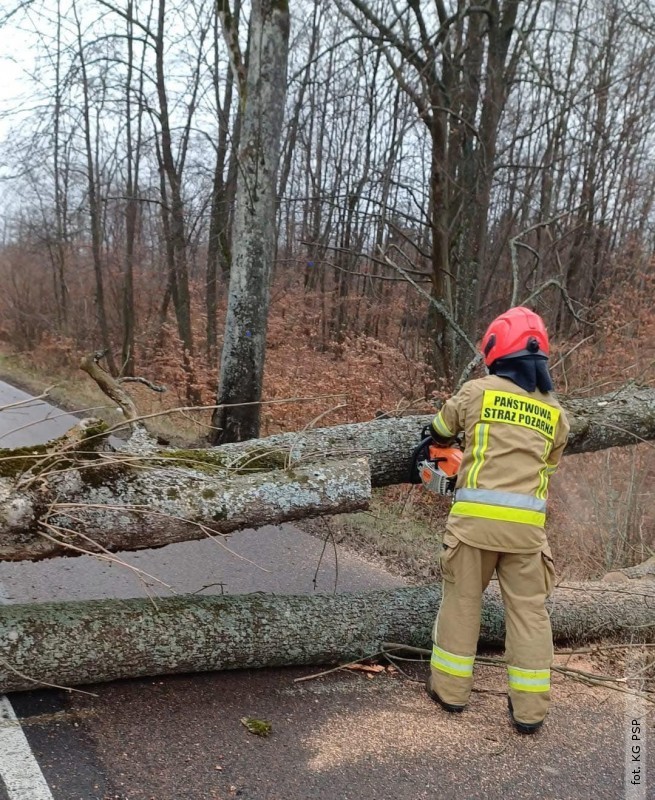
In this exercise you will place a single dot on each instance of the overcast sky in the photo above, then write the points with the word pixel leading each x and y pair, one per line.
pixel 15 57
pixel 16 63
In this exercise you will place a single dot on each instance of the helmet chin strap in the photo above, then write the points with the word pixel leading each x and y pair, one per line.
pixel 530 372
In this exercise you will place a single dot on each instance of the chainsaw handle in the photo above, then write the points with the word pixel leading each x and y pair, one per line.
pixel 428 431
pixel 418 454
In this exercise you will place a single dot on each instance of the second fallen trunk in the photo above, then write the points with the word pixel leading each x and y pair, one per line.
pixel 103 640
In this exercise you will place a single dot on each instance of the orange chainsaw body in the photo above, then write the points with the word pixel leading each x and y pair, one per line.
pixel 448 459
pixel 438 471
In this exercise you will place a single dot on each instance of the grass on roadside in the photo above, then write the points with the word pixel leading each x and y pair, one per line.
pixel 402 530
pixel 73 390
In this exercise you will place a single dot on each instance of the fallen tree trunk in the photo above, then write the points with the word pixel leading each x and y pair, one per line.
pixel 643 571
pixel 623 417
pixel 55 500
pixel 134 505
pixel 88 642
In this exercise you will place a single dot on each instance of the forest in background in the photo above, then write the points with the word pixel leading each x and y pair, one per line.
pixel 440 161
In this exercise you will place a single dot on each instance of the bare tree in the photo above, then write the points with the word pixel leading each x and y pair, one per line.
pixel 485 149
pixel 58 252
pixel 132 161
pixel 457 69
pixel 95 212
pixel 173 199
pixel 219 256
pixel 262 95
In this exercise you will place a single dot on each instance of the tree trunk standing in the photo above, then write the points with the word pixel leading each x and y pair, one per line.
pixel 582 263
pixel 218 244
pixel 132 156
pixel 466 163
pixel 166 230
pixel 441 335
pixel 374 306
pixel 477 160
pixel 94 206
pixel 61 212
pixel 104 640
pixel 458 76
pixel 300 105
pixel 253 234
pixel 219 253
pixel 176 244
pixel 351 237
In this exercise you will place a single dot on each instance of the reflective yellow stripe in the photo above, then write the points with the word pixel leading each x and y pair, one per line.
pixel 542 491
pixel 461 666
pixel 481 436
pixel 440 426
pixel 503 513
pixel 528 680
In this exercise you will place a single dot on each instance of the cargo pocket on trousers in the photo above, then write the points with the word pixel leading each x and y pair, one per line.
pixel 449 547
pixel 549 570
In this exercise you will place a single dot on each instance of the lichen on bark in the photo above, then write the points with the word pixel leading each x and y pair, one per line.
pixel 102 640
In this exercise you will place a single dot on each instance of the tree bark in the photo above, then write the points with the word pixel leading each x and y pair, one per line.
pixel 132 167
pixel 218 240
pixel 623 417
pixel 253 233
pixel 103 640
pixel 118 504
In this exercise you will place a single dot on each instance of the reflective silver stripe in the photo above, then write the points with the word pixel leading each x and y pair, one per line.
pixel 496 498
pixel 518 683
pixel 460 666
pixel 528 680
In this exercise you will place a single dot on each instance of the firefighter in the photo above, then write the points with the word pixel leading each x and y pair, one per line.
pixel 515 432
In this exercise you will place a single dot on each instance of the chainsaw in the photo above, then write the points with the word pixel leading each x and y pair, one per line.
pixel 435 466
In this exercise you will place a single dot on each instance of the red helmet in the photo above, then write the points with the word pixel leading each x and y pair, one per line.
pixel 517 332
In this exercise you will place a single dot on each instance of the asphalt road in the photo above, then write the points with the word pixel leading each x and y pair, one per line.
pixel 339 737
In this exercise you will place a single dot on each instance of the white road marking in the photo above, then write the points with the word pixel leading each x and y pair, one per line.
pixel 19 770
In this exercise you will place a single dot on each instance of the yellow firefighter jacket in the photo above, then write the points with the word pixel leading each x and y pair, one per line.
pixel 513 442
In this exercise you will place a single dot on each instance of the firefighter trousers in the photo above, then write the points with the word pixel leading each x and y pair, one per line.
pixel 526 580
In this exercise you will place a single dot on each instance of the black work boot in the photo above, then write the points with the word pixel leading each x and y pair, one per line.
pixel 452 709
pixel 523 727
